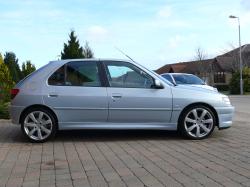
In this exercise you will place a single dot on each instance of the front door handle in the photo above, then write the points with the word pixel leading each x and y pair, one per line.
pixel 116 96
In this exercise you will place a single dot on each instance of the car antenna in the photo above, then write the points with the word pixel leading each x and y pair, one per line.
pixel 124 54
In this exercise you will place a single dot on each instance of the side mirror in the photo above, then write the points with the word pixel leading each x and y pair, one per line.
pixel 157 84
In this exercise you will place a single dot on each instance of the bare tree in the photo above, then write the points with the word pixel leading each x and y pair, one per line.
pixel 200 54
pixel 87 51
pixel 202 68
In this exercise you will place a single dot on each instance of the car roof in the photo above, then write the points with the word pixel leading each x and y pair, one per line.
pixel 89 59
pixel 176 74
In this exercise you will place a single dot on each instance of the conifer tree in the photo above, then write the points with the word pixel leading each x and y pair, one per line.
pixel 11 62
pixel 72 49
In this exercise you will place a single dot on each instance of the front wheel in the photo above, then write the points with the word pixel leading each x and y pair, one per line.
pixel 197 122
pixel 38 125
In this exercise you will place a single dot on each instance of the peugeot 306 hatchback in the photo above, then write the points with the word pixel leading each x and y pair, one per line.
pixel 112 94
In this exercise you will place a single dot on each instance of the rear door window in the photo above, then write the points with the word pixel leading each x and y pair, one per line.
pixel 76 74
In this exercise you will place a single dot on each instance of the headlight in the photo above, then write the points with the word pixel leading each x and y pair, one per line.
pixel 226 100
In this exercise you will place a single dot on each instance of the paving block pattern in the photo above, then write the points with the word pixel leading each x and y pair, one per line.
pixel 126 158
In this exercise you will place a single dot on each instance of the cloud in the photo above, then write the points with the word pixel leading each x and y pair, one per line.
pixel 33 14
pixel 97 33
pixel 244 20
pixel 175 41
pixel 245 4
pixel 165 18
pixel 10 15
pixel 132 4
pixel 164 12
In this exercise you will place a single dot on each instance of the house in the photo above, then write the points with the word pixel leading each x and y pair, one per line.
pixel 216 71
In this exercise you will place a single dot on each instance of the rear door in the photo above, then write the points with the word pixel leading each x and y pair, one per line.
pixel 76 93
pixel 132 99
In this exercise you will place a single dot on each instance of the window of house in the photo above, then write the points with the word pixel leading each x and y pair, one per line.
pixel 76 74
pixel 219 77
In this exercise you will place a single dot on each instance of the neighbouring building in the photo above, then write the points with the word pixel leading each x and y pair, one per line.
pixel 216 71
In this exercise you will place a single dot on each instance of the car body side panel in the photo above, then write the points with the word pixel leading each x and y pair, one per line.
pixel 225 115
pixel 15 113
pixel 140 105
pixel 184 96
pixel 30 93
pixel 74 104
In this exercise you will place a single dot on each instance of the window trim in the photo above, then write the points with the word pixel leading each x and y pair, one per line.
pixel 97 62
pixel 103 74
pixel 104 65
pixel 172 81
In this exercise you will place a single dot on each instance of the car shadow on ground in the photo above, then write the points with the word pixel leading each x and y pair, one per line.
pixel 116 135
pixel 124 135
pixel 100 136
pixel 13 134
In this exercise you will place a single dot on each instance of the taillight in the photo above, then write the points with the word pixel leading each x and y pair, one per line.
pixel 14 93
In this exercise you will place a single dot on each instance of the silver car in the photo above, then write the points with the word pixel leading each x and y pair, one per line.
pixel 112 94
pixel 187 79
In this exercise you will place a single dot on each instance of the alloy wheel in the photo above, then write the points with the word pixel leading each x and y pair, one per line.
pixel 38 125
pixel 199 122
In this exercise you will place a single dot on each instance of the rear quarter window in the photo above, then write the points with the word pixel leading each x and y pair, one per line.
pixel 58 77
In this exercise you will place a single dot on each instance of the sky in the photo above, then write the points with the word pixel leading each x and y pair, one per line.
pixel 152 32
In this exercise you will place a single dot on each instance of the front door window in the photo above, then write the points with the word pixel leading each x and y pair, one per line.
pixel 125 75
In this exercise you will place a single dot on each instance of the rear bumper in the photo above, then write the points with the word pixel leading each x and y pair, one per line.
pixel 225 115
pixel 15 113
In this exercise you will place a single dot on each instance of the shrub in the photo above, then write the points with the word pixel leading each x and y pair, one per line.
pixel 4 111
pixel 222 87
pixel 6 83
pixel 235 81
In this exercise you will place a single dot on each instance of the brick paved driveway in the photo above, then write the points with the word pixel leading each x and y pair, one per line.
pixel 129 158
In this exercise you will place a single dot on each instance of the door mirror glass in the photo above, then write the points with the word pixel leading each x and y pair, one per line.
pixel 157 84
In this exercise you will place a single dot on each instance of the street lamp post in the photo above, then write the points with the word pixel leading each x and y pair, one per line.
pixel 241 81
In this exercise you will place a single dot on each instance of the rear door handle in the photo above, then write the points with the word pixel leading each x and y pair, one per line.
pixel 53 95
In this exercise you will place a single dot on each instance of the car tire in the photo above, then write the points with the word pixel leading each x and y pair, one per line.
pixel 197 122
pixel 38 125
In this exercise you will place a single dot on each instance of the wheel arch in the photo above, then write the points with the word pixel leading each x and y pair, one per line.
pixel 38 106
pixel 195 104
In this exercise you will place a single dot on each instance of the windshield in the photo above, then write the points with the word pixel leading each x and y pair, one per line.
pixel 168 77
pixel 187 79
pixel 157 75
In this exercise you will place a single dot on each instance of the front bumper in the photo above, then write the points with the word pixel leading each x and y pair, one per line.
pixel 225 115
pixel 15 113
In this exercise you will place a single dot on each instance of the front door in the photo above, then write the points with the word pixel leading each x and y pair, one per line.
pixel 76 94
pixel 132 99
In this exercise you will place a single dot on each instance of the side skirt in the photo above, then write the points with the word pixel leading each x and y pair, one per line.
pixel 117 126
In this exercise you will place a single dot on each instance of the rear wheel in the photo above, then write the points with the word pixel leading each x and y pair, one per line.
pixel 197 122
pixel 38 125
